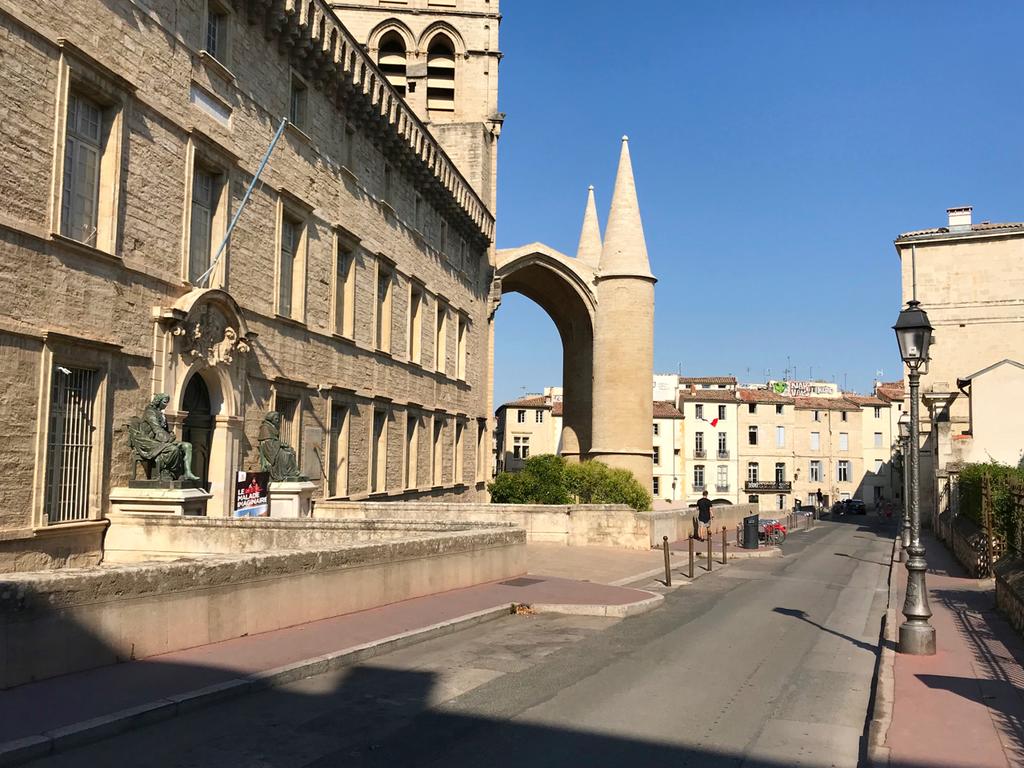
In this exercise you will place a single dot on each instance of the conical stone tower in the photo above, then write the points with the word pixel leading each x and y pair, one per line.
pixel 624 335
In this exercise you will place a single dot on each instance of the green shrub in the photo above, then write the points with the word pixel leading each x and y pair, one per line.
pixel 547 479
pixel 1005 520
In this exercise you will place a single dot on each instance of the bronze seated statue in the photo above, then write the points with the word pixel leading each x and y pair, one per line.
pixel 154 446
pixel 276 456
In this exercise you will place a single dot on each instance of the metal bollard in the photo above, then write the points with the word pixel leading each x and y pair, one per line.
pixel 691 557
pixel 738 529
pixel 710 537
pixel 725 553
pixel 668 568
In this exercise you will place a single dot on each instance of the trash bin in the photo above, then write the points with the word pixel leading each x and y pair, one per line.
pixel 750 529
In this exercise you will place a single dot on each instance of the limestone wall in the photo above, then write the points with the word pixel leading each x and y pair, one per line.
pixel 143 537
pixel 1009 573
pixel 607 525
pixel 56 622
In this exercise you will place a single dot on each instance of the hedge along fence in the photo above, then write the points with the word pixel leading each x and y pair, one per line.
pixel 992 496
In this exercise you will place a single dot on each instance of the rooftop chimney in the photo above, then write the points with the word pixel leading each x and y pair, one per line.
pixel 960 218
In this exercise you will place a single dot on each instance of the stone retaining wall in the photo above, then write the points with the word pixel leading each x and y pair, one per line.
pixel 609 525
pixel 1009 574
pixel 141 537
pixel 969 548
pixel 55 622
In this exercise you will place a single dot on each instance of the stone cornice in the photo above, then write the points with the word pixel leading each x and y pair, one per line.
pixel 322 49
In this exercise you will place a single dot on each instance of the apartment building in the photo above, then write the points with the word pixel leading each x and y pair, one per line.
pixel 528 426
pixel 710 408
pixel 969 278
pixel 827 449
pixel 668 480
pixel 767 441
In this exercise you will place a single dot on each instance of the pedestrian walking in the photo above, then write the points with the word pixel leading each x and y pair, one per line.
pixel 704 516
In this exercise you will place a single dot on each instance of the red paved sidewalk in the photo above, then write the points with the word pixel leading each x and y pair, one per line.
pixel 963 707
pixel 36 708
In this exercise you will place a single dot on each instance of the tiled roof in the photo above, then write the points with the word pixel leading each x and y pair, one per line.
pixel 985 226
pixel 708 395
pixel 824 404
pixel 556 408
pixel 687 380
pixel 663 410
pixel 532 401
pixel 890 390
pixel 863 400
pixel 764 396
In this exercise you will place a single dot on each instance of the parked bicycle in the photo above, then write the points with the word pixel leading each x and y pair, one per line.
pixel 771 532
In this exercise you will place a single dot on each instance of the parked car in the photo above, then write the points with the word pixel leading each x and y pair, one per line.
pixel 855 507
pixel 806 510
pixel 839 508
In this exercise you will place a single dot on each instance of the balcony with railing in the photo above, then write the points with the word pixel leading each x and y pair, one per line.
pixel 700 453
pixel 722 487
pixel 768 486
pixel 699 487
pixel 723 453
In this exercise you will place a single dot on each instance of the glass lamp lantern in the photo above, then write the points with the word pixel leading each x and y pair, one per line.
pixel 914 334
pixel 903 423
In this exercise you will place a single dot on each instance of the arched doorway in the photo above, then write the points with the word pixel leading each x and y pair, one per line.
pixel 197 427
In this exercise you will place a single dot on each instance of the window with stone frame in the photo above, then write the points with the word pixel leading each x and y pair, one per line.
pixel 344 286
pixel 441 337
pixel 291 267
pixel 412 434
pixel 698 477
pixel 814 475
pixel 437 452
pixel 379 451
pixel 337 450
pixel 843 471
pixel 298 102
pixel 415 329
pixel 521 416
pixel 207 221
pixel 216 39
pixel 461 344
pixel 753 472
pixel 384 306
pixel 460 450
pixel 88 162
pixel 656 456
pixel 752 434
pixel 481 450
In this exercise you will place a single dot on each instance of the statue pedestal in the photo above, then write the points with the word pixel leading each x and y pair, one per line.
pixel 291 499
pixel 159 501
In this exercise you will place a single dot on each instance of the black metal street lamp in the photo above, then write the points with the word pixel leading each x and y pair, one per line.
pixel 917 635
pixel 903 423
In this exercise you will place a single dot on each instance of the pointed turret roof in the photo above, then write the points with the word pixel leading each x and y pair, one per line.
pixel 625 250
pixel 589 249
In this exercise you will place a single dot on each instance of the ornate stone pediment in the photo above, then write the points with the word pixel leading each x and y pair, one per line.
pixel 206 333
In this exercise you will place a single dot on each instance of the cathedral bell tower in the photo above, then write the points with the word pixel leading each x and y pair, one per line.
pixel 442 56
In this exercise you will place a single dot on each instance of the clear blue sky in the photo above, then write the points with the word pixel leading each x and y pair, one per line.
pixel 779 148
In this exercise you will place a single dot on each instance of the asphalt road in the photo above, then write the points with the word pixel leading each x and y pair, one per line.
pixel 763 663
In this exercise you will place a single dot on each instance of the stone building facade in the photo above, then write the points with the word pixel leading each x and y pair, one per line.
pixel 969 277
pixel 353 296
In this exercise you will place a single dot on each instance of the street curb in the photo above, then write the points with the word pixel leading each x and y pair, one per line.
pixel 20 751
pixel 885 680
pixel 612 611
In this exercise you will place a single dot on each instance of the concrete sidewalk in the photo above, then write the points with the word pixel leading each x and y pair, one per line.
pixel 963 707
pixel 60 713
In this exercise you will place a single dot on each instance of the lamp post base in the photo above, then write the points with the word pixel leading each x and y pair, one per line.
pixel 916 639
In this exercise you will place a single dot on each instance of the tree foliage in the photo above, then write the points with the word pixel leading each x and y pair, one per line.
pixel 1005 517
pixel 548 479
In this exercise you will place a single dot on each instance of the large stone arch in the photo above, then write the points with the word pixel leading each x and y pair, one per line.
pixel 564 288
